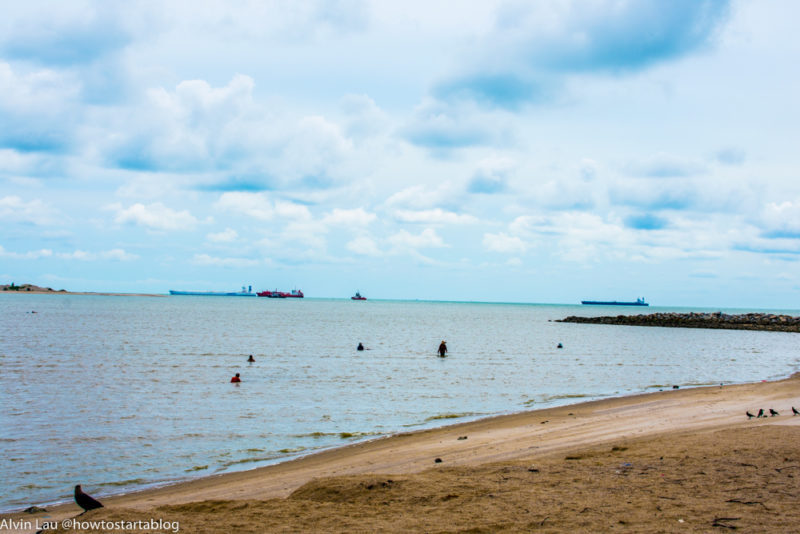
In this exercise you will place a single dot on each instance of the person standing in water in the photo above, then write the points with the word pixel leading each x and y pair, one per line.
pixel 442 349
pixel 236 379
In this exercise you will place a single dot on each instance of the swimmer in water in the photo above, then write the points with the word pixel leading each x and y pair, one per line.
pixel 236 379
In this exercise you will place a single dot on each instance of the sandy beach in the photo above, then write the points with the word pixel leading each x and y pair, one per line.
pixel 672 461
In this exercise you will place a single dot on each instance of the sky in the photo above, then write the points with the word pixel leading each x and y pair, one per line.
pixel 499 150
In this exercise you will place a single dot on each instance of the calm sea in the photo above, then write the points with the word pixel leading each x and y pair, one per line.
pixel 121 393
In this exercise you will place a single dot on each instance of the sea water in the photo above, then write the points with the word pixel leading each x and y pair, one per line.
pixel 121 393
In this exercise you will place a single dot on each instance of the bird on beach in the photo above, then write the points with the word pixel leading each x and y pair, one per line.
pixel 85 501
pixel 794 411
pixel 749 415
pixel 760 413
pixel 773 413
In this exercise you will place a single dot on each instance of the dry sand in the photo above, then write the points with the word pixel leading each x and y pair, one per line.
pixel 675 461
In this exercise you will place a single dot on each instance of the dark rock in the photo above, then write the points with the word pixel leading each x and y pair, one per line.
pixel 719 320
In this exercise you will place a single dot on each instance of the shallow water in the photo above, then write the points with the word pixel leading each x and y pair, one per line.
pixel 118 393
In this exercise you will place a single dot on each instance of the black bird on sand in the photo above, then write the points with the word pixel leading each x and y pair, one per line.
pixel 760 413
pixel 87 502
pixel 773 413
pixel 794 411
pixel 749 415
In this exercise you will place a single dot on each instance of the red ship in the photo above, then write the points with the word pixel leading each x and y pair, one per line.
pixel 358 296
pixel 294 294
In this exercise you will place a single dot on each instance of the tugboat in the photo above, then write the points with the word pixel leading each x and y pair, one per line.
pixel 358 296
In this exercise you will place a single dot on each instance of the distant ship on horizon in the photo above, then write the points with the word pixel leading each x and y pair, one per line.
pixel 245 292
pixel 638 302
pixel 294 293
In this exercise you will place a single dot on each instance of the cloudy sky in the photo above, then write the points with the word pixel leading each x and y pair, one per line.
pixel 502 150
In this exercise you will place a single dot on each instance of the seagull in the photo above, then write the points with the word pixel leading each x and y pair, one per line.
pixel 749 415
pixel 794 411
pixel 773 413
pixel 87 502
pixel 760 413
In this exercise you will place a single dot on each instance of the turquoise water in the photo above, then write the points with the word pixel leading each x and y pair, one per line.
pixel 120 393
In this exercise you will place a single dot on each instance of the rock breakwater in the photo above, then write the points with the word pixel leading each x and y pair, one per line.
pixel 746 321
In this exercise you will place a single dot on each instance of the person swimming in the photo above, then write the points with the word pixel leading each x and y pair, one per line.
pixel 360 346
pixel 251 359
pixel 236 379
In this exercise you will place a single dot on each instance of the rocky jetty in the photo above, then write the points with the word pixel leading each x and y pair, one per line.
pixel 745 321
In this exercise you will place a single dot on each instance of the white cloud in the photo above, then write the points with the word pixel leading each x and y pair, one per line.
pixel 290 210
pixel 260 206
pixel 116 254
pixel 666 166
pixel 426 239
pixel 363 118
pixel 155 216
pixel 491 175
pixel 31 255
pixel 364 246
pixel 355 217
pixel 782 219
pixel 205 259
pixel 256 205
pixel 504 243
pixel 226 236
pixel 35 92
pixel 434 216
pixel 417 197
pixel 316 145
pixel 13 208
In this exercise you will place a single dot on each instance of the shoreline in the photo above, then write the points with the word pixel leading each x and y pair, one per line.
pixel 527 435
pixel 454 423
pixel 83 293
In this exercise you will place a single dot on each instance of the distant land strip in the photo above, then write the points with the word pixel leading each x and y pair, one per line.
pixel 719 320
pixel 38 290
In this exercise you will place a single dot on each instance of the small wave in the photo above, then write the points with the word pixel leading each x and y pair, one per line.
pixel 290 451
pixel 196 468
pixel 33 487
pixel 249 461
pixel 449 416
pixel 550 398
pixel 131 482
pixel 315 435
pixel 90 439
pixel 350 435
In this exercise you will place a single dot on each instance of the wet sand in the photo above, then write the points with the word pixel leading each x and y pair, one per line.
pixel 672 461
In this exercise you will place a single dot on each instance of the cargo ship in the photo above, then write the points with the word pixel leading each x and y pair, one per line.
pixel 638 302
pixel 245 292
pixel 293 294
